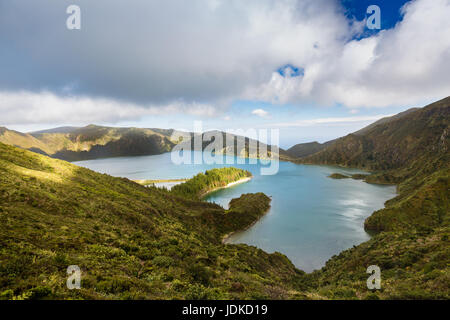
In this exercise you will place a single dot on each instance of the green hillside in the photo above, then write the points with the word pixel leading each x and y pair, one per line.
pixel 90 142
pixel 236 145
pixel 412 246
pixel 394 144
pixel 385 120
pixel 305 149
pixel 130 241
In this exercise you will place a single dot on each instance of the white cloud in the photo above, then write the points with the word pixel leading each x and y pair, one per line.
pixel 141 57
pixel 155 52
pixel 335 120
pixel 406 65
pixel 46 107
pixel 260 113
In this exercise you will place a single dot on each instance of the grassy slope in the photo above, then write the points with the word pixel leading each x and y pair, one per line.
pixel 413 249
pixel 22 140
pixel 302 150
pixel 305 149
pixel 130 241
pixel 392 145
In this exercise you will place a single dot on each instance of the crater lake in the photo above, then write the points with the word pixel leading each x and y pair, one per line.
pixel 312 217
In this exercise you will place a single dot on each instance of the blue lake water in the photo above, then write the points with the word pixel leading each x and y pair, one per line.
pixel 312 217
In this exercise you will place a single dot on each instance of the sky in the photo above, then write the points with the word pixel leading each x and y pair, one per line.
pixel 310 68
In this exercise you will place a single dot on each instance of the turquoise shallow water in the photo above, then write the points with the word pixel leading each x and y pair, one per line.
pixel 312 217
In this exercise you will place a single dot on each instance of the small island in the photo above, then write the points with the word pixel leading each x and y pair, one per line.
pixel 338 176
pixel 203 183
pixel 356 176
pixel 244 212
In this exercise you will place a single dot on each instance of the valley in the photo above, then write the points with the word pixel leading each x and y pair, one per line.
pixel 136 242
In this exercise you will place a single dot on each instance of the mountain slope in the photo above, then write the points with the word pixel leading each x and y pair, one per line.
pixel 93 142
pixel 90 142
pixel 394 144
pixel 22 140
pixel 385 120
pixel 216 141
pixel 305 149
pixel 412 246
pixel 302 150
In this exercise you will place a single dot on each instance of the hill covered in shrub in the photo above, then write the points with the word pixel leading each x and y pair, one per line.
pixel 130 241
pixel 411 245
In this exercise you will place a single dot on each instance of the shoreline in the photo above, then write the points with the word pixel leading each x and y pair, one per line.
pixel 146 182
pixel 227 236
pixel 231 184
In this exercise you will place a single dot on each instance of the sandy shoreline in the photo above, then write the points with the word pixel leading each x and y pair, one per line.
pixel 165 182
pixel 238 182
pixel 243 180
pixel 147 182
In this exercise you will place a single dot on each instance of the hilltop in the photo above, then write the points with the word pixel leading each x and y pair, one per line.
pixel 90 142
pixel 305 149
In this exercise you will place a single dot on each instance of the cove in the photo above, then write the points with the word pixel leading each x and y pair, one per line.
pixel 312 217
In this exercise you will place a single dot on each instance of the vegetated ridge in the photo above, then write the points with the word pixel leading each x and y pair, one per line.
pixel 412 246
pixel 93 142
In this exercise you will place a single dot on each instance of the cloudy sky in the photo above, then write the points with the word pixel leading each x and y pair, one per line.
pixel 309 67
